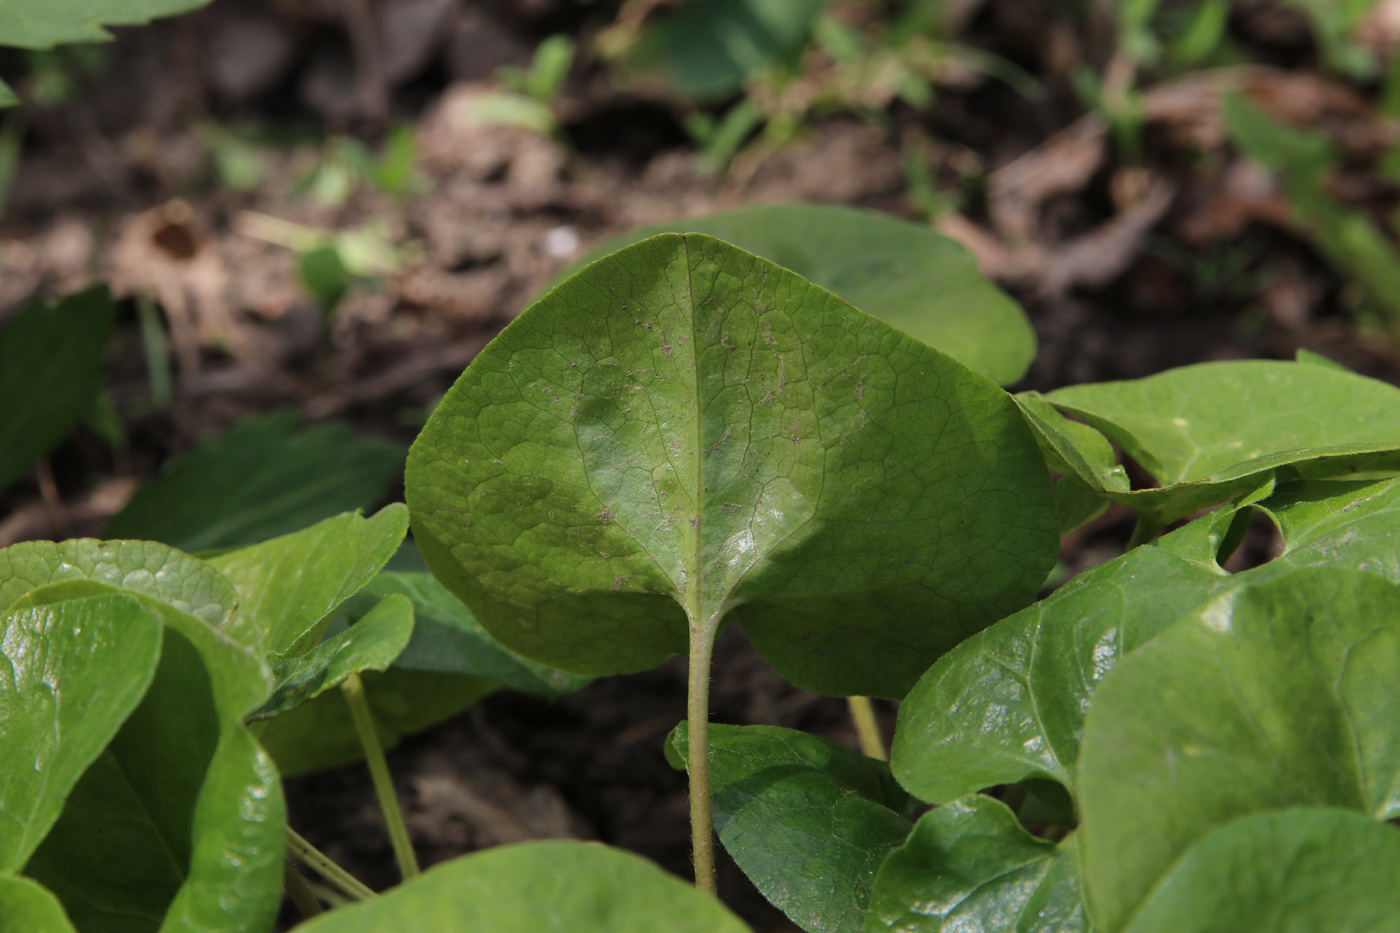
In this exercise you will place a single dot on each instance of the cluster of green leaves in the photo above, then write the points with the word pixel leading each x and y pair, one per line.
pixel 687 434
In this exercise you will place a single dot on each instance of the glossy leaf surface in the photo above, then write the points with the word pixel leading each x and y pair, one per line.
pixel 26 906
pixel 903 273
pixel 1281 693
pixel 969 865
pixel 261 479
pixel 179 824
pixel 371 644
pixel 807 820
pixel 537 886
pixel 1008 704
pixel 290 586
pixel 1306 868
pixel 447 639
pixel 320 734
pixel 1213 431
pixel 684 430
pixel 70 674
pixel 50 369
pixel 143 568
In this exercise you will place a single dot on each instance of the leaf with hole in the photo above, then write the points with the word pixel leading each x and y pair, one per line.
pixel 70 674
pixel 535 886
pixel 808 821
pixel 970 865
pixel 684 434
pixel 261 479
pixel 903 273
pixel 1278 693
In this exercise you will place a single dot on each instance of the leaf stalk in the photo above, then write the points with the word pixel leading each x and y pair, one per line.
pixel 702 647
pixel 872 743
pixel 354 691
pixel 319 862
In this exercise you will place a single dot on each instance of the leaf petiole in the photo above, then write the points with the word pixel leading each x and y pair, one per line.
pixel 319 862
pixel 354 691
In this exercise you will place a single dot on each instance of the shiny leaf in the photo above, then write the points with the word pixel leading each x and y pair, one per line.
pixel 537 886
pixel 808 821
pixel 969 865
pixel 70 674
pixel 686 431
pixel 1277 693
pixel 903 273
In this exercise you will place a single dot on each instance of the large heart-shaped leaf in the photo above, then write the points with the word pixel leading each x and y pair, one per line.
pixel 1210 432
pixel 1277 693
pixel 26 906
pixel 447 639
pixel 535 886
pixel 290 586
pixel 50 369
pixel 144 568
pixel 179 824
pixel 371 644
pixel 903 273
pixel 70 674
pixel 684 434
pixel 808 821
pixel 969 865
pixel 1306 868
pixel 1008 704
pixel 262 479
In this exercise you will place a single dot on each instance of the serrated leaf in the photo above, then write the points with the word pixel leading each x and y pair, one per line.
pixel 1008 704
pixel 708 47
pixel 535 886
pixel 903 273
pixel 69 676
pixel 179 825
pixel 447 639
pixel 320 734
pixel 50 371
pixel 686 431
pixel 26 906
pixel 1278 693
pixel 42 24
pixel 1305 868
pixel 1214 431
pixel 143 568
pixel 371 644
pixel 808 821
pixel 290 586
pixel 969 865
pixel 261 479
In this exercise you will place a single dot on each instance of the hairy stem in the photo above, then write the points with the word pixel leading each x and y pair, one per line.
pixel 354 692
pixel 300 894
pixel 702 845
pixel 319 862
pixel 872 743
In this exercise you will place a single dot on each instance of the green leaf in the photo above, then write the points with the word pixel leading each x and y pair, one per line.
pixel 536 886
pixel 261 479
pixel 26 906
pixel 1214 431
pixel 69 676
pixel 371 644
pixel 324 276
pixel 1008 704
pixel 969 865
pixel 179 824
pixel 320 734
pixel 290 586
pixel 684 430
pixel 50 371
pixel 1278 693
pixel 42 24
pixel 1306 868
pixel 7 95
pixel 708 47
pixel 447 639
pixel 808 821
pixel 143 568
pixel 903 273
pixel 1337 523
